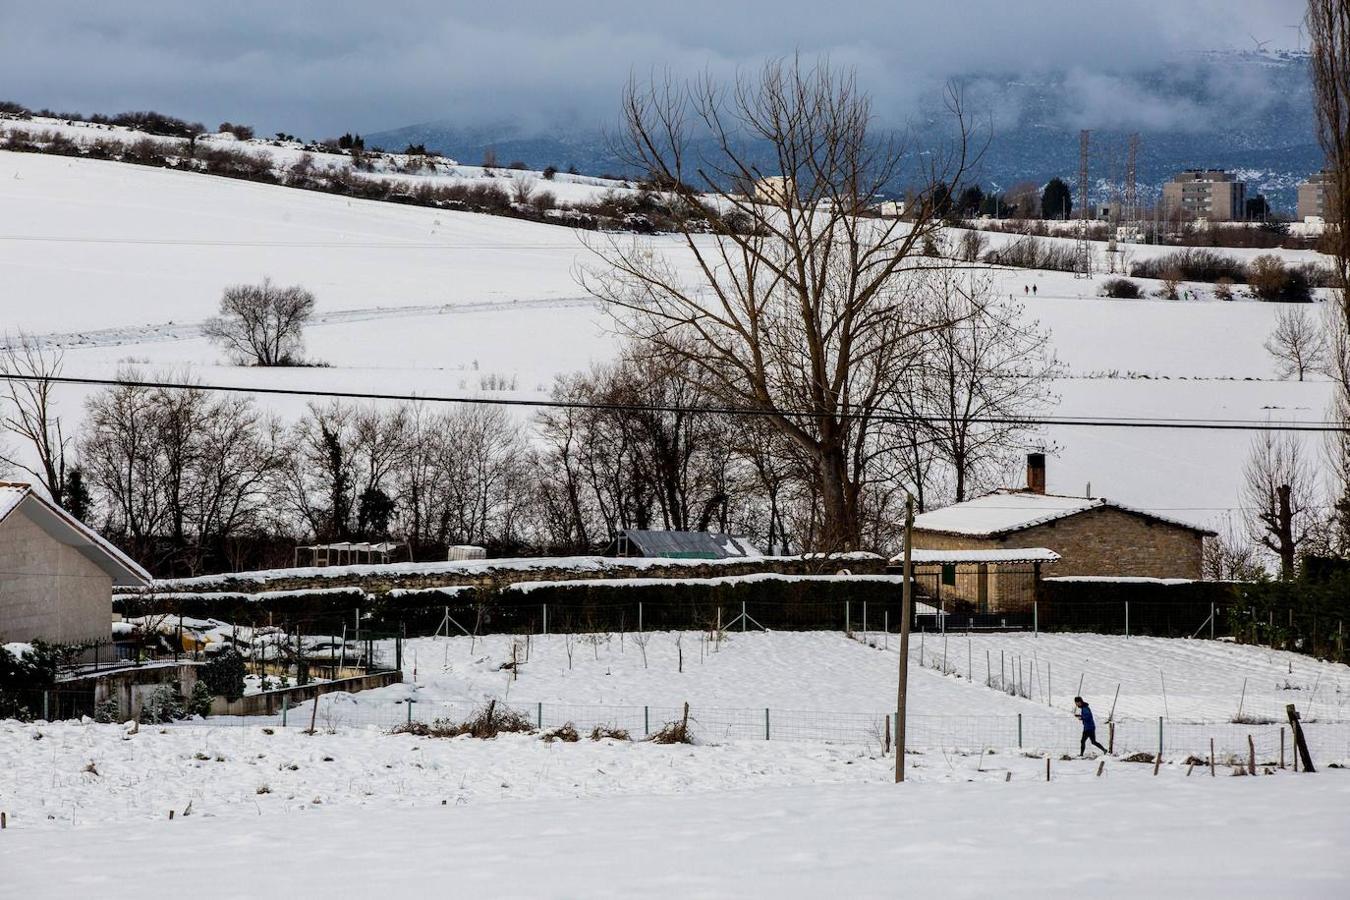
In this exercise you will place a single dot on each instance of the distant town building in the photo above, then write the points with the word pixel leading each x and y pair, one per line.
pixel 1211 194
pixel 775 189
pixel 891 208
pixel 1315 198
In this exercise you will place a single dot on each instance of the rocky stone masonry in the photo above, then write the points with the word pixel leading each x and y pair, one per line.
pixel 379 580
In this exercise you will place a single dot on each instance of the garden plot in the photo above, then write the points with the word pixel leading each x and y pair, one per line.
pixel 825 670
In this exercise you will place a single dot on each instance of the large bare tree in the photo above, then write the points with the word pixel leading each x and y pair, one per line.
pixel 792 299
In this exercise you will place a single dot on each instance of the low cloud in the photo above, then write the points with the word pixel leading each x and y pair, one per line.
pixel 322 68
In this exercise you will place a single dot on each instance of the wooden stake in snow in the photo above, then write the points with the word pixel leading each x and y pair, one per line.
pixel 1251 756
pixel 1300 745
pixel 1100 766
pixel 1242 699
pixel 1047 768
pixel 1211 757
pixel 313 714
pixel 906 612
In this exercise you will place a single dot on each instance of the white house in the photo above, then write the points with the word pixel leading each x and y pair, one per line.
pixel 56 573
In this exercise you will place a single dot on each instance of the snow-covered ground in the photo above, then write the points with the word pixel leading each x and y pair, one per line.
pixel 120 264
pixel 1124 835
pixel 730 815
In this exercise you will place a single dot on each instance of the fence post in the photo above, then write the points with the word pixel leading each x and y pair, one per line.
pixel 1035 618
pixel 742 615
pixel 410 703
pixel 846 618
pixel 1127 618
pixel 285 706
pixel 646 721
pixel 46 710
pixel 639 617
pixel 766 723
pixel 1160 736
pixel 1211 620
pixel 539 713
pixel 864 620
pixel 1019 731
pixel 545 620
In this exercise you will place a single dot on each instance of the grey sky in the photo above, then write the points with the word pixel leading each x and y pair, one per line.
pixel 322 68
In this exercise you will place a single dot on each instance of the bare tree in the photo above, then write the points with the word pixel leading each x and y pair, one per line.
pixel 177 472
pixel 30 372
pixel 1279 493
pixel 262 324
pixel 1328 23
pixel 796 305
pixel 1297 343
pixel 979 376
pixel 1228 557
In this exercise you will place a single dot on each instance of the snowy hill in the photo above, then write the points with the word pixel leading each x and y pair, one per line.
pixel 120 264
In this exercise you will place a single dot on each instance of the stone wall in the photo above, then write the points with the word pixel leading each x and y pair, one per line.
pixel 269 703
pixel 1102 541
pixel 382 579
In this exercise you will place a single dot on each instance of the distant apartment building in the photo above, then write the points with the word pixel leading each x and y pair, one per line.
pixel 1315 198
pixel 1210 194
pixel 775 189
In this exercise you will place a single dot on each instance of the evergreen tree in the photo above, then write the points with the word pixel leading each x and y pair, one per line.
pixel 970 201
pixel 1056 200
pixel 75 494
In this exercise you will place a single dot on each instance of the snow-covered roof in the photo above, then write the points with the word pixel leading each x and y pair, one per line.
pixel 68 530
pixel 1007 510
pixel 934 557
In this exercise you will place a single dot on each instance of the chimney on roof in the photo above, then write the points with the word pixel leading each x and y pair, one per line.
pixel 1036 473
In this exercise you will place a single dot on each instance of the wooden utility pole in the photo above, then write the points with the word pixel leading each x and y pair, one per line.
pixel 906 613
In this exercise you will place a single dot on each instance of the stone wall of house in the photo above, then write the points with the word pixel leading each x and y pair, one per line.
pixel 1103 541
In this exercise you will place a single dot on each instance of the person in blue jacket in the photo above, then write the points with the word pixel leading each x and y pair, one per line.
pixel 1089 726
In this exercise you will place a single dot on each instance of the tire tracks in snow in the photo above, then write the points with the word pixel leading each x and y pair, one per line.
pixel 168 332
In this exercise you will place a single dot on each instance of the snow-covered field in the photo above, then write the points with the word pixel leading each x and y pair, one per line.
pixel 360 809
pixel 1126 834
pixel 120 264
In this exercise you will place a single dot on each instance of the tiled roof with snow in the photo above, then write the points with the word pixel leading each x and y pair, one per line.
pixel 1008 510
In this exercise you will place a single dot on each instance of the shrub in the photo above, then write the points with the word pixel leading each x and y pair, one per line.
pixel 549 172
pixel 517 164
pixel 1267 277
pixel 11 108
pixel 199 703
pixel 1121 288
pixel 1223 289
pixel 1191 264
pixel 1034 253
pixel 164 705
pixel 567 733
pixel 674 732
pixel 223 676
pixel 600 732
pixel 242 132
pixel 487 723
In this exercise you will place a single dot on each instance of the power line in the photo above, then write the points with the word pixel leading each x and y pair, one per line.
pixel 890 416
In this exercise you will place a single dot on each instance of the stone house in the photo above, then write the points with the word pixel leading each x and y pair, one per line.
pixel 56 573
pixel 1092 536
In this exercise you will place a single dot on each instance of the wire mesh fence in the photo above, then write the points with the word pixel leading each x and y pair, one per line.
pixel 1035 733
pixel 1030 733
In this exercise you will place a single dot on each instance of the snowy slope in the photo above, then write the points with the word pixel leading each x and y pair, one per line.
pixel 120 264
